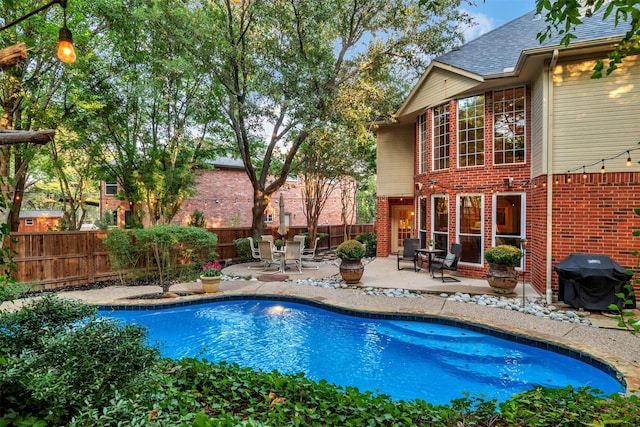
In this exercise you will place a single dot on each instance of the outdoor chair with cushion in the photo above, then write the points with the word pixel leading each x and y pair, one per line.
pixel 267 255
pixel 408 253
pixel 308 254
pixel 449 263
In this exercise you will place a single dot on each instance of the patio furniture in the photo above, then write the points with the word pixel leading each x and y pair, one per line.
pixel 255 254
pixel 309 254
pixel 449 263
pixel 408 252
pixel 293 252
pixel 267 255
pixel 426 255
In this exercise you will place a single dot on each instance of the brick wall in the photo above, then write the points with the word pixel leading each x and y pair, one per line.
pixel 225 196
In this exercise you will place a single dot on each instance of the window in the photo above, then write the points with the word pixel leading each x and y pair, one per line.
pixel 509 126
pixel 110 188
pixel 471 131
pixel 422 221
pixel 267 215
pixel 127 218
pixel 470 228
pixel 28 221
pixel 508 223
pixel 441 137
pixel 440 220
pixel 422 139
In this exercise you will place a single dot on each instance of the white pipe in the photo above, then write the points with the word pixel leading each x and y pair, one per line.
pixel 548 143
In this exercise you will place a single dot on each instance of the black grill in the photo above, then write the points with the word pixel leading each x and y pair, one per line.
pixel 592 281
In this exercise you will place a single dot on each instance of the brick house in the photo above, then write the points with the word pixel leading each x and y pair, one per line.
pixel 36 221
pixel 512 139
pixel 225 195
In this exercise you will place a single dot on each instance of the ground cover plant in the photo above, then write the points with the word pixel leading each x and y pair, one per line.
pixel 62 365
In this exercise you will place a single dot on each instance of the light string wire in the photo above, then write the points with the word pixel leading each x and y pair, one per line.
pixel 434 187
pixel 584 167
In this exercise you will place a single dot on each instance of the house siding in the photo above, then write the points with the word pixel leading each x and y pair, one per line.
pixel 395 160
pixel 538 152
pixel 438 87
pixel 594 119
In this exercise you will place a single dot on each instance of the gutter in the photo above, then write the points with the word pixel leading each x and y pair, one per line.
pixel 548 143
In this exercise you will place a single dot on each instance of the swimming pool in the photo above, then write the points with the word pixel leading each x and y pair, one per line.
pixel 402 358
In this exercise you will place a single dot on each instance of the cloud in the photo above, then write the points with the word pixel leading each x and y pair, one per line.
pixel 483 24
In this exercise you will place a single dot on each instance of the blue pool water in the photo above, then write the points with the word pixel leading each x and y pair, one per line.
pixel 404 359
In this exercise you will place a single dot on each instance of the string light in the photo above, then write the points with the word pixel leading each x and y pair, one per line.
pixel 567 178
pixel 602 169
pixel 584 173
pixel 628 158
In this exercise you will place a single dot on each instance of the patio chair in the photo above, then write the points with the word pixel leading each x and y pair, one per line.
pixel 449 263
pixel 267 255
pixel 408 253
pixel 255 254
pixel 293 252
pixel 309 254
pixel 299 238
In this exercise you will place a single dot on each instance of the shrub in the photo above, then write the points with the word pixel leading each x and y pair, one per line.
pixel 59 357
pixel 243 249
pixel 503 255
pixel 370 242
pixel 122 250
pixel 350 249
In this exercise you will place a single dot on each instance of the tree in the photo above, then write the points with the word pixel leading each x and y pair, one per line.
pixel 564 15
pixel 152 125
pixel 281 64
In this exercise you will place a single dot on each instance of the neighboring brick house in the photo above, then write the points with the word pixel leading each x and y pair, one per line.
pixel 508 140
pixel 32 221
pixel 225 196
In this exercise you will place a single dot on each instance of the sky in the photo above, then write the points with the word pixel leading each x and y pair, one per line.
pixel 490 14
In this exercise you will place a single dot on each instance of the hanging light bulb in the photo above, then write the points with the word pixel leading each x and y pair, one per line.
pixel 66 52
pixel 557 181
pixel 567 178
pixel 602 169
pixel 628 159
pixel 584 174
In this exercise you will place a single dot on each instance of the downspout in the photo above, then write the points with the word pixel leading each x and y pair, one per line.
pixel 548 143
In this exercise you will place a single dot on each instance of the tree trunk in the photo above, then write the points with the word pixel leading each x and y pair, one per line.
pixel 260 203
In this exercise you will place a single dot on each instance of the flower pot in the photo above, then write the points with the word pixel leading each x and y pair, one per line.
pixel 210 284
pixel 503 279
pixel 351 270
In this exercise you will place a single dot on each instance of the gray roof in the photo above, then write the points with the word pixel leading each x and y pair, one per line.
pixel 31 213
pixel 228 162
pixel 499 49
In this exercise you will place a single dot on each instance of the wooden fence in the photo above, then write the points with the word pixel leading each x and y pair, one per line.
pixel 51 260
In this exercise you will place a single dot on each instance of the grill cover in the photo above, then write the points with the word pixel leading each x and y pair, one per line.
pixel 591 281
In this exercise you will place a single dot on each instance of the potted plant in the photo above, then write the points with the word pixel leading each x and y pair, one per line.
pixel 210 276
pixel 431 244
pixel 278 244
pixel 503 259
pixel 351 268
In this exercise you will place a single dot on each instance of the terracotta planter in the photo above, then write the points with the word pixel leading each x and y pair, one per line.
pixel 351 270
pixel 210 284
pixel 503 279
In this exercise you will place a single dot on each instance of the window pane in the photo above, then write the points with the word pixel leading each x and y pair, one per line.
pixel 441 137
pixel 441 222
pixel 471 134
pixel 422 125
pixel 470 226
pixel 509 125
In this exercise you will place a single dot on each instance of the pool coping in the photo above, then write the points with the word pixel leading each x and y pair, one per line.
pixel 547 334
